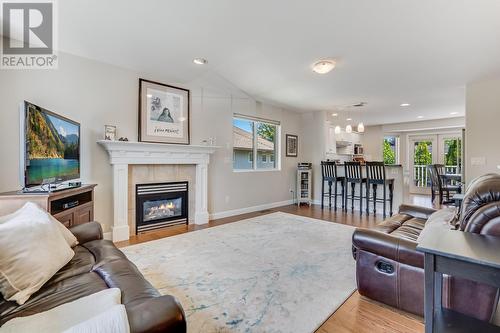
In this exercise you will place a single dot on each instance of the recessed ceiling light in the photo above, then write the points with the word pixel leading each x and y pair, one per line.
pixel 453 113
pixel 404 104
pixel 349 119
pixel 200 61
pixel 335 114
pixel 420 117
pixel 324 66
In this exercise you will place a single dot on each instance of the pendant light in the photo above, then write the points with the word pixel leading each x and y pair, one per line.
pixel 337 129
pixel 348 129
pixel 361 127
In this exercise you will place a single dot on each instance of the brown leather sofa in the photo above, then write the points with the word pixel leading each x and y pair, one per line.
pixel 98 265
pixel 390 270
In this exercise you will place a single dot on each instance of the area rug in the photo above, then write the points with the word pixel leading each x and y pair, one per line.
pixel 273 273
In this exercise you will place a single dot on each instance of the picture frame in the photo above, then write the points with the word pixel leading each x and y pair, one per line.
pixel 163 113
pixel 110 132
pixel 292 145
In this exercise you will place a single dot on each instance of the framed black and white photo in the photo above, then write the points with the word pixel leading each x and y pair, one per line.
pixel 109 132
pixel 163 113
pixel 292 145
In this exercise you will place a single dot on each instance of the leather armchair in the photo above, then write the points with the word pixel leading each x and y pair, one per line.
pixel 390 270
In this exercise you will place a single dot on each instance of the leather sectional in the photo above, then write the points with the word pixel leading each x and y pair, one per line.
pixel 98 265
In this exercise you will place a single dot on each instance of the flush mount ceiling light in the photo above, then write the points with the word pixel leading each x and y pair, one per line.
pixel 420 117
pixel 348 129
pixel 335 114
pixel 404 104
pixel 349 119
pixel 323 66
pixel 453 113
pixel 200 61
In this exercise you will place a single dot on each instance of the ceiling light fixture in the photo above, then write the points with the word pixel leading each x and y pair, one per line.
pixel 337 129
pixel 404 104
pixel 453 113
pixel 149 95
pixel 200 61
pixel 335 114
pixel 349 119
pixel 324 66
pixel 361 127
pixel 348 129
pixel 420 117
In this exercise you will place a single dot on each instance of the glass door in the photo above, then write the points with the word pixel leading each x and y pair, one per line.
pixel 450 152
pixel 422 153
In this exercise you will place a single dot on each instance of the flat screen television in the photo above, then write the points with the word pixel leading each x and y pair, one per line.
pixel 51 149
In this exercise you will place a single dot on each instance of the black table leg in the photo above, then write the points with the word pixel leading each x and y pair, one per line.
pixel 429 292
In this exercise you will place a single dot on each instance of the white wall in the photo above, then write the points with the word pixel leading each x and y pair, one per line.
pixel 482 118
pixel 96 94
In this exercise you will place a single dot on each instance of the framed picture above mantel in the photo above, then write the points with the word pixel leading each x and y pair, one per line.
pixel 163 113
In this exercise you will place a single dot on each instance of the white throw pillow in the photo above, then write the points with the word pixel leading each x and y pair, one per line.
pixel 439 221
pixel 114 320
pixel 65 316
pixel 30 206
pixel 32 250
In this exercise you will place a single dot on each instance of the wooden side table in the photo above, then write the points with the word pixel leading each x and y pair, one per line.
pixel 470 256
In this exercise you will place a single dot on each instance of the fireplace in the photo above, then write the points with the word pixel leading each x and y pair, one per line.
pixel 161 205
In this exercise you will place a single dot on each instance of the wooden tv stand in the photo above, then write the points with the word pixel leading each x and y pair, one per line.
pixel 82 197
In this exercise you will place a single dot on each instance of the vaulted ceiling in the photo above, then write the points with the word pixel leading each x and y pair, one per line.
pixel 388 52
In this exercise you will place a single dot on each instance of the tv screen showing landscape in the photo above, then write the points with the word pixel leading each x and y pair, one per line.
pixel 52 147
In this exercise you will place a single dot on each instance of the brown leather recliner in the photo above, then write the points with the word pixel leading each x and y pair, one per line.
pixel 391 271
pixel 98 265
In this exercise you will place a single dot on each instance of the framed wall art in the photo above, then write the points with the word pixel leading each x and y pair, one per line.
pixel 292 145
pixel 163 113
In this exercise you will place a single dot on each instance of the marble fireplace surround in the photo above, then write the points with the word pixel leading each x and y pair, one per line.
pixel 125 154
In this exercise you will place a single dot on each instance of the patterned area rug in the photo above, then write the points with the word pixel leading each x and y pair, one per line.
pixel 273 273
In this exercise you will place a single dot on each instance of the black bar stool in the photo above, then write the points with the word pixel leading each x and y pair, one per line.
pixel 375 174
pixel 354 176
pixel 330 175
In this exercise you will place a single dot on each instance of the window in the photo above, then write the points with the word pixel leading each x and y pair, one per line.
pixel 255 144
pixel 391 150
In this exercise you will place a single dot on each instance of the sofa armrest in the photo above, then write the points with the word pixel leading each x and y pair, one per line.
pixel 156 314
pixel 390 247
pixel 87 232
pixel 416 211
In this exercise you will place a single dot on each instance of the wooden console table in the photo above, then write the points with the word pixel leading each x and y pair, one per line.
pixel 470 256
pixel 54 202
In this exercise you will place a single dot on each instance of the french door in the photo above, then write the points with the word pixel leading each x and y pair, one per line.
pixel 432 149
pixel 422 153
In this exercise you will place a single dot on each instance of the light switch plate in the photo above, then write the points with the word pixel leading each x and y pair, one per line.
pixel 477 161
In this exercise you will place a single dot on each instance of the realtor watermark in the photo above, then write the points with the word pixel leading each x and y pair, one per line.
pixel 29 39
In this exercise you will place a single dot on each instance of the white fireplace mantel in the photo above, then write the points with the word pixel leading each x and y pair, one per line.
pixel 124 153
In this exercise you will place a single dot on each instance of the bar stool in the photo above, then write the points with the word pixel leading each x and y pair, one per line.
pixel 375 174
pixel 330 175
pixel 354 176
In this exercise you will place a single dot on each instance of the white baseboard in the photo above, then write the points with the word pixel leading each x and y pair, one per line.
pixel 240 211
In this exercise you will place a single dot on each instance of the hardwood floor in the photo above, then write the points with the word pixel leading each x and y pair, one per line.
pixel 358 314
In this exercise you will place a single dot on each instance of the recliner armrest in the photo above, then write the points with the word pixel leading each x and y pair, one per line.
pixel 87 232
pixel 390 247
pixel 416 211
pixel 156 314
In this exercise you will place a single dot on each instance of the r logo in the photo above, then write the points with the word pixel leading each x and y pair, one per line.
pixel 27 28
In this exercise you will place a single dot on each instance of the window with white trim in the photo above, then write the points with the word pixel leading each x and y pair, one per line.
pixel 256 144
